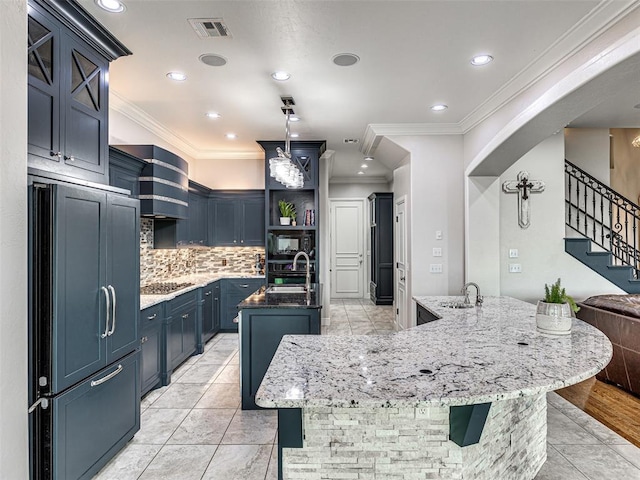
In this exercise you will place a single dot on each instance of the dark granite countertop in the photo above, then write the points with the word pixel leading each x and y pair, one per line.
pixel 264 299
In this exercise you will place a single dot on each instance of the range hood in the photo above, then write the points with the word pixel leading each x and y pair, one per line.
pixel 164 182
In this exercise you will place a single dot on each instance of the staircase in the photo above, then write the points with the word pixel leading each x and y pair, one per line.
pixel 604 218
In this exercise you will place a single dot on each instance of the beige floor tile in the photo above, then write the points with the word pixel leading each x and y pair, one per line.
pixel 252 427
pixel 239 462
pixel 203 426
pixel 180 462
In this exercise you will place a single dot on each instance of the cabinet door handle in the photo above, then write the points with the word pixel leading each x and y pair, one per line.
pixel 113 310
pixel 245 285
pixel 106 378
pixel 186 315
pixel 144 339
pixel 107 301
pixel 241 241
pixel 235 241
pixel 207 294
pixel 55 154
pixel 71 158
pixel 152 316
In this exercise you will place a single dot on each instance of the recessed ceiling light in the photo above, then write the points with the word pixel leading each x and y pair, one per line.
pixel 294 135
pixel 213 60
pixel 113 6
pixel 281 76
pixel 293 118
pixel 364 165
pixel 345 59
pixel 177 76
pixel 360 172
pixel 439 107
pixel 231 136
pixel 368 159
pixel 636 106
pixel 479 60
pixel 213 115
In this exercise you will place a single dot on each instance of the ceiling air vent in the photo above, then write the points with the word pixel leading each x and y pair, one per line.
pixel 210 27
pixel 351 141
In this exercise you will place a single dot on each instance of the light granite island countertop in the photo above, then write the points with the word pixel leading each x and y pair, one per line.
pixel 459 397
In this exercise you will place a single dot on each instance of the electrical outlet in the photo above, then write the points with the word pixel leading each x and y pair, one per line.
pixel 435 268
pixel 438 234
pixel 513 253
pixel 437 252
pixel 515 268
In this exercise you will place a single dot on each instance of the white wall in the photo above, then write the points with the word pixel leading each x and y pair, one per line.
pixel 230 174
pixel 325 276
pixel 589 149
pixel 437 198
pixel 541 246
pixel 356 190
pixel 13 241
pixel 482 235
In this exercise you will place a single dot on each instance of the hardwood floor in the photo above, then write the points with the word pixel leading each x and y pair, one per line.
pixel 610 405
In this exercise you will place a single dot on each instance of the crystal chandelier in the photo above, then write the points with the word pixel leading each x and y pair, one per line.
pixel 282 168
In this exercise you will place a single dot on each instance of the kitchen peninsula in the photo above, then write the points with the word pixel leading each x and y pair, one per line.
pixel 460 397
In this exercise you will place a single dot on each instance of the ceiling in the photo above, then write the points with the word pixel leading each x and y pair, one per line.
pixel 413 54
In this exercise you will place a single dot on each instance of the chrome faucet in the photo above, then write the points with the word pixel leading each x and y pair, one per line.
pixel 295 267
pixel 465 292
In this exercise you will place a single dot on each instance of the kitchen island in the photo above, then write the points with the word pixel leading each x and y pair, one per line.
pixel 265 317
pixel 460 397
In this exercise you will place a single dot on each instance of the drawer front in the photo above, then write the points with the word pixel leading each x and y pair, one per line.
pixel 151 316
pixel 239 286
pixel 94 420
pixel 183 300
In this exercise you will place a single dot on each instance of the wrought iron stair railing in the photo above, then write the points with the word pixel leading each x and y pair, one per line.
pixel 601 214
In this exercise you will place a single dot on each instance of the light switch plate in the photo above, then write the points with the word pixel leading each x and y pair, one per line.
pixel 438 234
pixel 515 268
pixel 437 252
pixel 513 253
pixel 435 268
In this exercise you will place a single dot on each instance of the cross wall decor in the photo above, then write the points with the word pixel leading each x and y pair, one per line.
pixel 523 187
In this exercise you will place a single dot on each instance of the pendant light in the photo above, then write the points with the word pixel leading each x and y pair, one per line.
pixel 281 167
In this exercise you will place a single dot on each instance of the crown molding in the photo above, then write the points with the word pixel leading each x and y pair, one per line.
pixel 600 19
pixel 376 131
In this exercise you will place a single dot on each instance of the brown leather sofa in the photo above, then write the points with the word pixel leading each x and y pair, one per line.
pixel 624 333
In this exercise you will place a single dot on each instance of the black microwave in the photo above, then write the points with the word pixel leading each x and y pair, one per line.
pixel 289 243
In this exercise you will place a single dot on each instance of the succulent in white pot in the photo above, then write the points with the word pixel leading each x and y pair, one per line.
pixel 554 314
pixel 287 212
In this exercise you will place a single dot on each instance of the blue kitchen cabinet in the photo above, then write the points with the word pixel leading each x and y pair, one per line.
pixel 125 170
pixel 99 415
pixel 237 218
pixel 96 280
pixel 151 347
pixel 68 92
pixel 182 330
pixel 190 231
pixel 262 330
pixel 234 291
pixel 210 311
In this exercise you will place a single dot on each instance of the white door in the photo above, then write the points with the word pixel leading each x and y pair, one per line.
pixel 347 249
pixel 400 242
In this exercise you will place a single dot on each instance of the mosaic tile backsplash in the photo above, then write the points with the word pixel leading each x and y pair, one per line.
pixel 165 264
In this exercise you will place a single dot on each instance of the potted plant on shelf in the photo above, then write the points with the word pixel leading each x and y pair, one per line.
pixel 287 212
pixel 554 313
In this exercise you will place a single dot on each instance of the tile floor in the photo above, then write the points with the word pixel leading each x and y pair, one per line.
pixel 194 428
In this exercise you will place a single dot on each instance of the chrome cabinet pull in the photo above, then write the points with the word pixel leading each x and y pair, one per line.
pixel 144 339
pixel 71 158
pixel 152 316
pixel 55 154
pixel 108 305
pixel 113 310
pixel 106 378
pixel 207 294
pixel 186 315
pixel 245 285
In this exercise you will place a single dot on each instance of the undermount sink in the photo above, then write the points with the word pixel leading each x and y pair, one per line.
pixel 457 305
pixel 288 289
